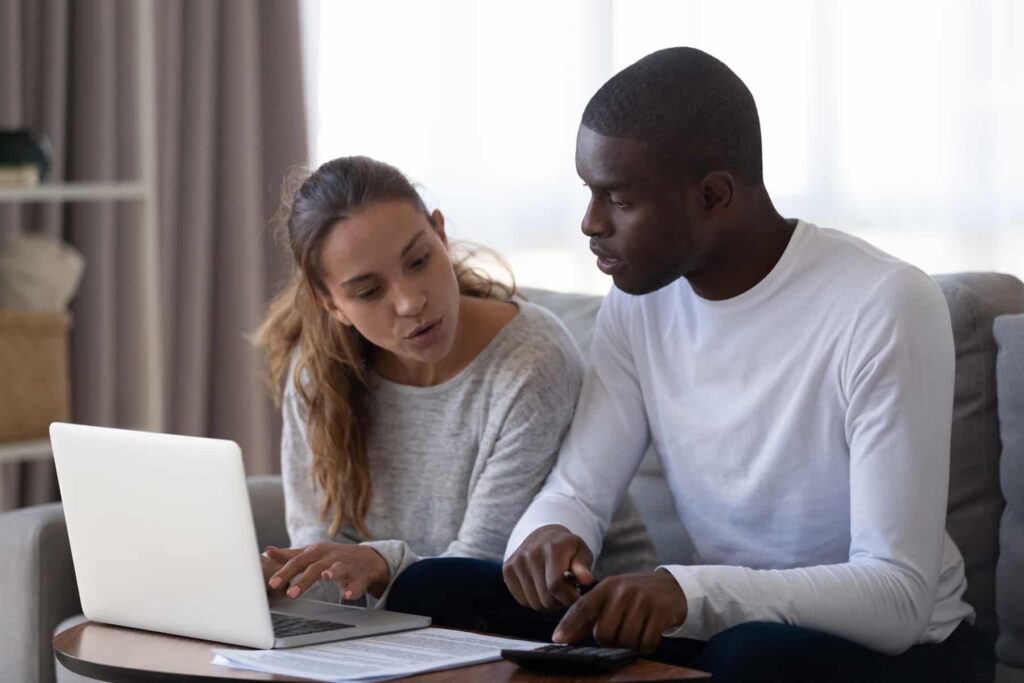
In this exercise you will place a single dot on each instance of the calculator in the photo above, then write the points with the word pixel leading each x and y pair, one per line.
pixel 572 658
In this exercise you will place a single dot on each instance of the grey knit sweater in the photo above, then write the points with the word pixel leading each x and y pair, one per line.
pixel 453 466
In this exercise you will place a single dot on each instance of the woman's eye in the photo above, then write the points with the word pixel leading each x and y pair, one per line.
pixel 367 293
pixel 420 262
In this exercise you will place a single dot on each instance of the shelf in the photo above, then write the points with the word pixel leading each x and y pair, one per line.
pixel 75 192
pixel 24 451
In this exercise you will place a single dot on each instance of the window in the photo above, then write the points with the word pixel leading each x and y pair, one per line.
pixel 897 122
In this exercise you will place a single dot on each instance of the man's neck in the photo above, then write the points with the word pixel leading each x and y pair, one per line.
pixel 751 250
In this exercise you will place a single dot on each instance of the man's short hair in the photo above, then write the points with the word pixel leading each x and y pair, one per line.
pixel 696 115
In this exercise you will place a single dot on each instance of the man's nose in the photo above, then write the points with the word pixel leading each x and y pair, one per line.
pixel 595 220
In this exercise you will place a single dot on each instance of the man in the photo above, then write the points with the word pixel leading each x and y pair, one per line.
pixel 797 385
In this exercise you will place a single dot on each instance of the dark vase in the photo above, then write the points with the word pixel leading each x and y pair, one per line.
pixel 24 147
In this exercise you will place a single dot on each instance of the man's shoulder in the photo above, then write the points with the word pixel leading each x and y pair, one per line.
pixel 859 270
pixel 848 255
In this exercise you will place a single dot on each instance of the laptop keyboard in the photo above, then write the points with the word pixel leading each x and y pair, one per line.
pixel 285 626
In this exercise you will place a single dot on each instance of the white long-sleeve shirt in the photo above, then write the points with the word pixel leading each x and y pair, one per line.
pixel 803 427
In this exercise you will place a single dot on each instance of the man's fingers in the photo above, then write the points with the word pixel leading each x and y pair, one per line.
pixel 513 585
pixel 540 586
pixel 556 584
pixel 529 587
pixel 578 622
pixel 580 566
pixel 628 623
pixel 651 638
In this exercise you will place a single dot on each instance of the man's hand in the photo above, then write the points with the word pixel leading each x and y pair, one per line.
pixel 356 569
pixel 629 610
pixel 535 572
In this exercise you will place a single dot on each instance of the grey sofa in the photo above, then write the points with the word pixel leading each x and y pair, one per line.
pixel 985 515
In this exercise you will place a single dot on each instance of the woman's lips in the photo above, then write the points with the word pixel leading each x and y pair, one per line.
pixel 427 334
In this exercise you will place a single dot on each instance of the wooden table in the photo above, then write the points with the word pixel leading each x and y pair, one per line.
pixel 124 655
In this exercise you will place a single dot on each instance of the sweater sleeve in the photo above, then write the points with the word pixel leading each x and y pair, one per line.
pixel 604 445
pixel 897 381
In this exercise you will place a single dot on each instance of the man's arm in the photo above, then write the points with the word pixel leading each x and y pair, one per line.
pixel 898 384
pixel 598 457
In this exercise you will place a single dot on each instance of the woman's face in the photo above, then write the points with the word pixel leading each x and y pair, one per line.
pixel 388 274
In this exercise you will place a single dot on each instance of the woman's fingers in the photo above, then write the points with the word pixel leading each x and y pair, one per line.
pixel 352 583
pixel 310 575
pixel 298 560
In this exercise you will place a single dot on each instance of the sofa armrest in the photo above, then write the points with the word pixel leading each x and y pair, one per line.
pixel 1009 334
pixel 37 578
pixel 37 589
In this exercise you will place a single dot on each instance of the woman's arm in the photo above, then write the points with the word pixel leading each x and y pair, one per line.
pixel 303 499
pixel 537 388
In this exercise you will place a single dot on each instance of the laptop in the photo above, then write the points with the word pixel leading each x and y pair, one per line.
pixel 162 539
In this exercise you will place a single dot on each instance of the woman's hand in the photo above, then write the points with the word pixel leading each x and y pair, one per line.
pixel 356 569
pixel 270 567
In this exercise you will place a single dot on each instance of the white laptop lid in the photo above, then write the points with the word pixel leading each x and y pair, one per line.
pixel 161 533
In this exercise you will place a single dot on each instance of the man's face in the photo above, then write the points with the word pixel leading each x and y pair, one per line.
pixel 643 226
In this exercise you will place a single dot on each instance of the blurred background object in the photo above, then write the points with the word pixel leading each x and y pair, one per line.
pixel 25 157
pixel 897 121
pixel 172 125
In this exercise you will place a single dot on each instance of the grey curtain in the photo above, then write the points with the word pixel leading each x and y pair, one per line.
pixel 230 124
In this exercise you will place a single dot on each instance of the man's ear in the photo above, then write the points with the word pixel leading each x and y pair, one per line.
pixel 437 223
pixel 334 311
pixel 716 190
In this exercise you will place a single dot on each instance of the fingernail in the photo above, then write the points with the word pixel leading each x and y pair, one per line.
pixel 275 582
pixel 557 635
pixel 293 592
pixel 348 595
pixel 327 575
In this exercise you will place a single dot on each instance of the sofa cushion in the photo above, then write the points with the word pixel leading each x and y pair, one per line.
pixel 975 501
pixel 1009 334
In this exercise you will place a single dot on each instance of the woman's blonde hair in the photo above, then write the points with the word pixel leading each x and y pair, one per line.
pixel 330 373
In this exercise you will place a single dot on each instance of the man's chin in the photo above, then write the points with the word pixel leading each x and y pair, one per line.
pixel 630 286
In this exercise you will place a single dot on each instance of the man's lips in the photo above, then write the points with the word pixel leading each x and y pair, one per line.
pixel 607 263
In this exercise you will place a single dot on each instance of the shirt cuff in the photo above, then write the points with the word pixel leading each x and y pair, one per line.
pixel 398 556
pixel 693 626
pixel 543 512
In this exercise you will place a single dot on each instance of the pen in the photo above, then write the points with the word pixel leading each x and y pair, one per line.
pixel 571 579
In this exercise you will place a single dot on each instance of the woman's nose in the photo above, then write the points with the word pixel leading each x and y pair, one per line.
pixel 409 301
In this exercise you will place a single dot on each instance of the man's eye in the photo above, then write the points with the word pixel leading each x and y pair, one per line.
pixel 621 204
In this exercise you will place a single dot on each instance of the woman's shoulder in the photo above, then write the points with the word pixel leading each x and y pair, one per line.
pixel 536 337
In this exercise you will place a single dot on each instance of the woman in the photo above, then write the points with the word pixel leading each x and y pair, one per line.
pixel 423 407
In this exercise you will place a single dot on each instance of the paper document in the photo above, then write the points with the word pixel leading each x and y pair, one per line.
pixel 376 658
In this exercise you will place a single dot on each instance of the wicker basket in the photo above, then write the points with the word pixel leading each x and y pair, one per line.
pixel 33 373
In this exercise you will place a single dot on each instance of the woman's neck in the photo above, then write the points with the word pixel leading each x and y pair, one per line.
pixel 480 320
